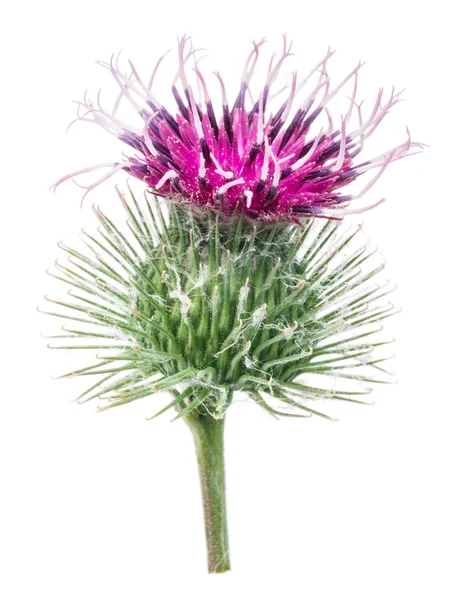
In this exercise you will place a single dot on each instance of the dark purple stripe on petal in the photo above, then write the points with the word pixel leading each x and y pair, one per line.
pixel 271 194
pixel 309 145
pixel 168 163
pixel 205 151
pixel 345 177
pixel 292 128
pixel 274 131
pixel 266 91
pixel 308 210
pixel 161 148
pixel 140 168
pixel 153 127
pixel 183 109
pixel 132 140
pixel 323 173
pixel 240 100
pixel 254 152
pixel 253 112
pixel 310 119
pixel 171 121
pixel 228 123
pixel 276 119
pixel 329 152
pixel 176 183
pixel 260 186
pixel 212 118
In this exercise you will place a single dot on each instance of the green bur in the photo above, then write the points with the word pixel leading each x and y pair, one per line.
pixel 205 306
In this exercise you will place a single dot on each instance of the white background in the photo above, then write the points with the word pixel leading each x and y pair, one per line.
pixel 97 506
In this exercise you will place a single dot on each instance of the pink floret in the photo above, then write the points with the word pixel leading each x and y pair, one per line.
pixel 269 165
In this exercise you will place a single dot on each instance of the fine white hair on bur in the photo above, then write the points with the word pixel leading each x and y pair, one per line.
pixel 166 305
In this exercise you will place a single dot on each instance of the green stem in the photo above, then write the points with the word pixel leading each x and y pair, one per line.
pixel 208 434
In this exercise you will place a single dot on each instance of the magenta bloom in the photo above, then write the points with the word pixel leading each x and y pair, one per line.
pixel 271 163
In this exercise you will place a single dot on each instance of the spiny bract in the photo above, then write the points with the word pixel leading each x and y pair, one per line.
pixel 205 306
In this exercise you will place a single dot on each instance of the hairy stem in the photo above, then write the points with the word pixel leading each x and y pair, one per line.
pixel 208 434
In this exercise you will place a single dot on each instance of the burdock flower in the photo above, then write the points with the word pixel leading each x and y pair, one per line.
pixel 234 287
pixel 270 164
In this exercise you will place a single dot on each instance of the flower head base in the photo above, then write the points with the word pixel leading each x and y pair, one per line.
pixel 287 163
pixel 207 307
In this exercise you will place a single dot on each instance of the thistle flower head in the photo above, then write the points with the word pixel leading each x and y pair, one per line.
pixel 272 153
pixel 228 290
